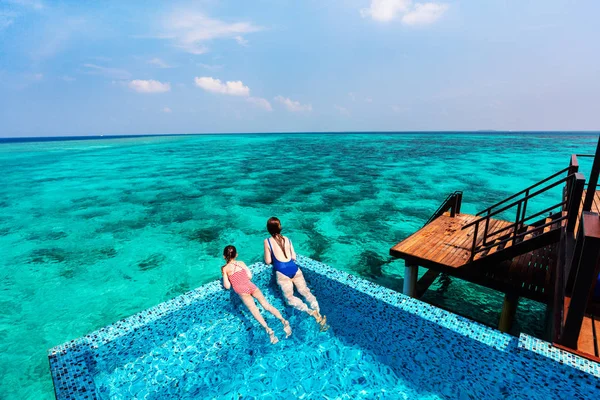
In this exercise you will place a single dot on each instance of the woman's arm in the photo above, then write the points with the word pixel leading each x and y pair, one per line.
pixel 226 282
pixel 292 250
pixel 267 253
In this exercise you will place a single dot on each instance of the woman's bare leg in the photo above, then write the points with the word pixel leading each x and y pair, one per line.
pixel 267 306
pixel 287 287
pixel 303 289
pixel 248 300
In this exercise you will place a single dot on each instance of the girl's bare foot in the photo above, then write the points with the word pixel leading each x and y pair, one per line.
pixel 286 328
pixel 272 336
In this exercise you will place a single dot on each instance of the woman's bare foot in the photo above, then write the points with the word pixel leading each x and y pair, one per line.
pixel 286 328
pixel 315 314
pixel 323 324
pixel 272 336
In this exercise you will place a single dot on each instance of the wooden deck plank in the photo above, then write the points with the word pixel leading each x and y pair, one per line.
pixel 585 343
pixel 597 329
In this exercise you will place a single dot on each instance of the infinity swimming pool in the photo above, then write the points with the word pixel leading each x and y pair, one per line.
pixel 381 344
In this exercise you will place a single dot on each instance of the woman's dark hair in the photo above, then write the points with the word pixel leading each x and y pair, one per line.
pixel 229 252
pixel 274 228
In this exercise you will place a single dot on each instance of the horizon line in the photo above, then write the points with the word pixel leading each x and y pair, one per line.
pixel 122 136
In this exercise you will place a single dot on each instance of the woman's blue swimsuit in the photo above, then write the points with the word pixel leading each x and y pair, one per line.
pixel 288 268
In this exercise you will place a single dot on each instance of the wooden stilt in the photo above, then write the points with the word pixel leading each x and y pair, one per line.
pixel 410 280
pixel 509 310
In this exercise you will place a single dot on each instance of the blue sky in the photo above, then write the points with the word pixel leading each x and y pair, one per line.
pixel 137 67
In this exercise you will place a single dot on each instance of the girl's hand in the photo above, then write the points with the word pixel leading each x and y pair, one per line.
pixel 226 283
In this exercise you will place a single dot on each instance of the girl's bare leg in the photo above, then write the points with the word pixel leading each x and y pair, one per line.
pixel 267 306
pixel 248 300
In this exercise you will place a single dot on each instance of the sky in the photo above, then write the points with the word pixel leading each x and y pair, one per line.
pixel 152 67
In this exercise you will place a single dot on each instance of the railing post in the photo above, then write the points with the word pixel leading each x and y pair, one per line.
pixel 586 273
pixel 474 241
pixel 516 230
pixel 573 165
pixel 456 208
pixel 593 182
pixel 485 231
pixel 524 205
pixel 574 201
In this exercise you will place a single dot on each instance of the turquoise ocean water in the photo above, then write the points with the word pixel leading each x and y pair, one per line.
pixel 93 231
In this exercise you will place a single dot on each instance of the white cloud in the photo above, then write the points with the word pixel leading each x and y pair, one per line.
pixel 405 10
pixel 342 110
pixel 166 110
pixel 157 62
pixel 190 30
pixel 292 105
pixel 424 14
pixel 67 78
pixel 261 103
pixel 241 41
pixel 149 86
pixel 385 10
pixel 233 88
pixel 113 73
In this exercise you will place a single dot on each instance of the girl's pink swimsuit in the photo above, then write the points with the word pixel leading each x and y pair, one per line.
pixel 240 281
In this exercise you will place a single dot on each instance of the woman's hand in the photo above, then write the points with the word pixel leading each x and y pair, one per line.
pixel 267 257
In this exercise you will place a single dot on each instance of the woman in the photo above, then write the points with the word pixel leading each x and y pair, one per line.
pixel 279 251
pixel 237 274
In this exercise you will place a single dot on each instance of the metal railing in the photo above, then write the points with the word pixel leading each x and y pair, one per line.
pixel 452 203
pixel 570 202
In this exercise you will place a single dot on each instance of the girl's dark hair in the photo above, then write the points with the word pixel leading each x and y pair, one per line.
pixel 274 228
pixel 229 252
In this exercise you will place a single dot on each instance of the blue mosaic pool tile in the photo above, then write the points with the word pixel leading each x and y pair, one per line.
pixel 464 326
pixel 408 337
pixel 545 349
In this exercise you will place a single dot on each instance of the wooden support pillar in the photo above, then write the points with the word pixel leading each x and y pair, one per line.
pixel 410 280
pixel 586 273
pixel 509 310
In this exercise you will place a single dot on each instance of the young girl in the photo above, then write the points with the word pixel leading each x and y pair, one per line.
pixel 237 275
pixel 279 251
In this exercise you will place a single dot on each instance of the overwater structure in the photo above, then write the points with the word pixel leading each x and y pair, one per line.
pixel 550 255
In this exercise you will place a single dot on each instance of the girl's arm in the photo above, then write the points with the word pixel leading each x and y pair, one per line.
pixel 226 282
pixel 248 272
pixel 267 253
pixel 292 250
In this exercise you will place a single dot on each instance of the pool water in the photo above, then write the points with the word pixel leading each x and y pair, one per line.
pixel 93 231
pixel 381 344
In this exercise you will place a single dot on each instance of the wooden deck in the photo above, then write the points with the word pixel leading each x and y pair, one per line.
pixel 442 246
pixel 442 243
pixel 595 204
